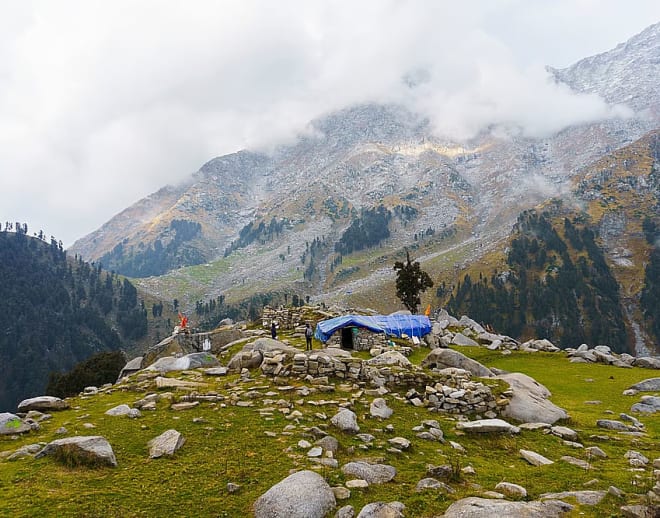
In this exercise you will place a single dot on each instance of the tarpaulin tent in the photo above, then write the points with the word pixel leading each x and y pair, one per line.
pixel 393 325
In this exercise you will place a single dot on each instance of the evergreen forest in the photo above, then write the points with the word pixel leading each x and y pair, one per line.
pixel 58 312
pixel 558 286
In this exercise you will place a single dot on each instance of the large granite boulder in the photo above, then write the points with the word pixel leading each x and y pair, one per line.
pixel 388 358
pixel 372 473
pixel 48 403
pixel 166 444
pixel 89 451
pixel 445 358
pixel 245 360
pixel 529 402
pixel 304 494
pixel 474 507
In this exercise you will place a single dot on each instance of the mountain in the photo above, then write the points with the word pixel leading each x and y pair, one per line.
pixel 328 216
pixel 58 311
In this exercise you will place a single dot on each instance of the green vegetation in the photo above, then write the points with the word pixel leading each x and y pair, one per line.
pixel 411 280
pixel 365 231
pixel 226 443
pixel 261 233
pixel 58 312
pixel 557 288
pixel 95 371
pixel 157 258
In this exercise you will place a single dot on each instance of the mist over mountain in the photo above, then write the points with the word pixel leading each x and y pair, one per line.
pixel 257 222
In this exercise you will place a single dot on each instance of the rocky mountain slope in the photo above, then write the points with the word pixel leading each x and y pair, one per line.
pixel 449 202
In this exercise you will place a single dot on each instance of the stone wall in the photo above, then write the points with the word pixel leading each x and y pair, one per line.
pixel 285 317
pixel 449 391
pixel 364 340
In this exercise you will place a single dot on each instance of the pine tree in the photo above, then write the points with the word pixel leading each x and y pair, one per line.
pixel 411 280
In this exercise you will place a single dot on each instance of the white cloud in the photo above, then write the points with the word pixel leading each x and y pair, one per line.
pixel 102 103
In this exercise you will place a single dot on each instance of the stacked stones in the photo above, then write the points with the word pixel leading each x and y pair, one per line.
pixel 457 394
pixel 364 341
pixel 286 317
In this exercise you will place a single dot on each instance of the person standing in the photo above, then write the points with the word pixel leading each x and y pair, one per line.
pixel 273 330
pixel 308 336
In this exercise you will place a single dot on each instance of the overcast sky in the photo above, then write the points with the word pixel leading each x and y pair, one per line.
pixel 102 103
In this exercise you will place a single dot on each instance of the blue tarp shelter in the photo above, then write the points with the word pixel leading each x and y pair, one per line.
pixel 394 325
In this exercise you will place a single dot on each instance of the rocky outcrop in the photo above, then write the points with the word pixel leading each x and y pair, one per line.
pixel 304 494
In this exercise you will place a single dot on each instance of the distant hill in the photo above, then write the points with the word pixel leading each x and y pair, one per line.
pixel 57 311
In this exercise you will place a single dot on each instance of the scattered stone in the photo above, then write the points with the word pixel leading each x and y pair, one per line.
pixel 610 424
pixel 304 444
pixel 42 403
pixel 529 401
pixel 215 371
pixel 119 410
pixel 380 409
pixel 511 490
pixel 475 507
pixel 372 473
pixel 564 433
pixel 26 451
pixel 647 385
pixel 647 405
pixel 357 483
pixel 345 512
pixel 84 451
pixel 433 483
pixel 346 421
pixel 487 426
pixel 316 451
pixel 11 424
pixel 535 459
pixel 382 510
pixel 595 451
pixel 444 358
pixel 233 488
pixel 304 494
pixel 185 405
pixel 615 491
pixel 399 442
pixel 636 459
pixel 582 497
pixel 341 493
pixel 576 462
pixel 166 443
pixel 328 443
pixel 445 471
pixel 162 382
pixel 640 511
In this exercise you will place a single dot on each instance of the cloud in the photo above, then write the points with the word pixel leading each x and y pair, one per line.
pixel 102 103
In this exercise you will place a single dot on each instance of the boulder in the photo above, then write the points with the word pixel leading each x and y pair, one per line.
pixel 464 341
pixel 11 424
pixel 446 358
pixel 582 497
pixel 389 358
pixel 487 426
pixel 434 484
pixel 382 510
pixel 345 512
pixel 529 401
pixel 535 459
pixel 380 409
pixel 90 451
pixel 647 385
pixel 269 345
pixel 119 410
pixel 647 405
pixel 166 443
pixel 475 507
pixel 540 345
pixel 328 443
pixel 611 424
pixel 305 494
pixel 131 367
pixel 372 473
pixel 647 362
pixel 42 403
pixel 511 490
pixel 245 360
pixel 346 421
pixel 189 361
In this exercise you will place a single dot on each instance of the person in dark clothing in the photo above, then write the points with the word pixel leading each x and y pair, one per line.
pixel 273 330
pixel 308 336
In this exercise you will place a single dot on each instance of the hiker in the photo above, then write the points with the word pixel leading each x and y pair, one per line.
pixel 308 336
pixel 273 330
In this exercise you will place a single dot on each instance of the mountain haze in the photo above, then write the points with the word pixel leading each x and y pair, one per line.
pixel 254 222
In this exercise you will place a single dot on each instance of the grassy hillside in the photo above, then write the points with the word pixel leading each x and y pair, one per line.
pixel 256 446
